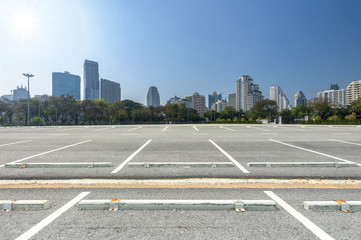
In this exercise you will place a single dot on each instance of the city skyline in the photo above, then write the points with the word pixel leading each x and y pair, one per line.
pixel 152 44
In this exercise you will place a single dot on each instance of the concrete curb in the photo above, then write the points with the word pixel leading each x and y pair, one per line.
pixel 180 164
pixel 59 165
pixel 301 164
pixel 338 205
pixel 23 205
pixel 238 205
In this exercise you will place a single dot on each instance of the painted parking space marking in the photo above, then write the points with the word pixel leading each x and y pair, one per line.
pixel 229 157
pixel 164 129
pixel 45 222
pixel 195 128
pixel 229 129
pixel 130 157
pixel 132 129
pixel 54 150
pixel 302 219
pixel 7 144
pixel 335 140
pixel 312 151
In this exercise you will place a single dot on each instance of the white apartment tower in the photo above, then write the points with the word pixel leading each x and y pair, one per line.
pixel 300 99
pixel 153 97
pixel 247 93
pixel 336 97
pixel 276 94
pixel 353 91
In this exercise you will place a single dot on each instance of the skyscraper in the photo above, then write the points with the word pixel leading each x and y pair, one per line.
pixel 110 91
pixel 276 94
pixel 65 84
pixel 91 80
pixel 232 100
pixel 213 98
pixel 300 99
pixel 153 97
pixel 335 96
pixel 353 91
pixel 199 103
pixel 247 93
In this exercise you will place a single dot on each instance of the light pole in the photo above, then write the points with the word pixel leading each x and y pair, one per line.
pixel 28 76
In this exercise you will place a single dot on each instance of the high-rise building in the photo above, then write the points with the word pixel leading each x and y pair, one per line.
pixel 247 93
pixel 335 96
pixel 353 91
pixel 65 84
pixel 110 91
pixel 19 93
pixel 232 100
pixel 153 97
pixel 276 94
pixel 199 103
pixel 91 80
pixel 213 98
pixel 300 99
pixel 174 100
pixel 219 105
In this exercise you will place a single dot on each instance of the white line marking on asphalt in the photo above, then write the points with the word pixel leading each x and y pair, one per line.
pixel 38 227
pixel 302 219
pixel 134 129
pixel 100 129
pixel 7 144
pixel 308 150
pixel 130 157
pixel 195 128
pixel 335 140
pixel 164 129
pixel 230 157
pixel 36 155
pixel 261 128
pixel 227 128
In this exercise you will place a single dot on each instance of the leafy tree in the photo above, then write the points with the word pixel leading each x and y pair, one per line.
pixel 264 109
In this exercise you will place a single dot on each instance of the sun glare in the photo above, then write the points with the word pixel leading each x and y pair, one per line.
pixel 24 24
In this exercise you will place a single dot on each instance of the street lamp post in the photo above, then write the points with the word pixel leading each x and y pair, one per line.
pixel 28 76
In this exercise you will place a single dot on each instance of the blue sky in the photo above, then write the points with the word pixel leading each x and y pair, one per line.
pixel 183 46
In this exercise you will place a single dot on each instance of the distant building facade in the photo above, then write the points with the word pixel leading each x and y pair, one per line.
pixel 277 95
pixel 300 99
pixel 153 97
pixel 9 97
pixel 353 91
pixel 219 105
pixel 177 100
pixel 19 93
pixel 65 84
pixel 335 96
pixel 247 93
pixel 110 91
pixel 213 98
pixel 199 103
pixel 91 80
pixel 174 100
pixel 232 100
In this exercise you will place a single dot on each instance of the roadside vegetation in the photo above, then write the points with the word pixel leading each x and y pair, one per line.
pixel 65 110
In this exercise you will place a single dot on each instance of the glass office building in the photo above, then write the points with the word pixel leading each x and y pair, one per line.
pixel 66 84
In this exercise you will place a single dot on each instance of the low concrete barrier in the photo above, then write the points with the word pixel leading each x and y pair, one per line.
pixel 59 165
pixel 180 164
pixel 337 205
pixel 238 205
pixel 23 205
pixel 302 164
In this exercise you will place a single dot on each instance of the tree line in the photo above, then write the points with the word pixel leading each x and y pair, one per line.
pixel 65 110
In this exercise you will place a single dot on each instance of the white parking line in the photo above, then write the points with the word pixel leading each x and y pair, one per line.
pixel 164 129
pixel 7 144
pixel 38 227
pixel 134 129
pixel 308 150
pixel 302 219
pixel 36 155
pixel 358 144
pixel 261 128
pixel 195 128
pixel 230 157
pixel 130 157
pixel 227 128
